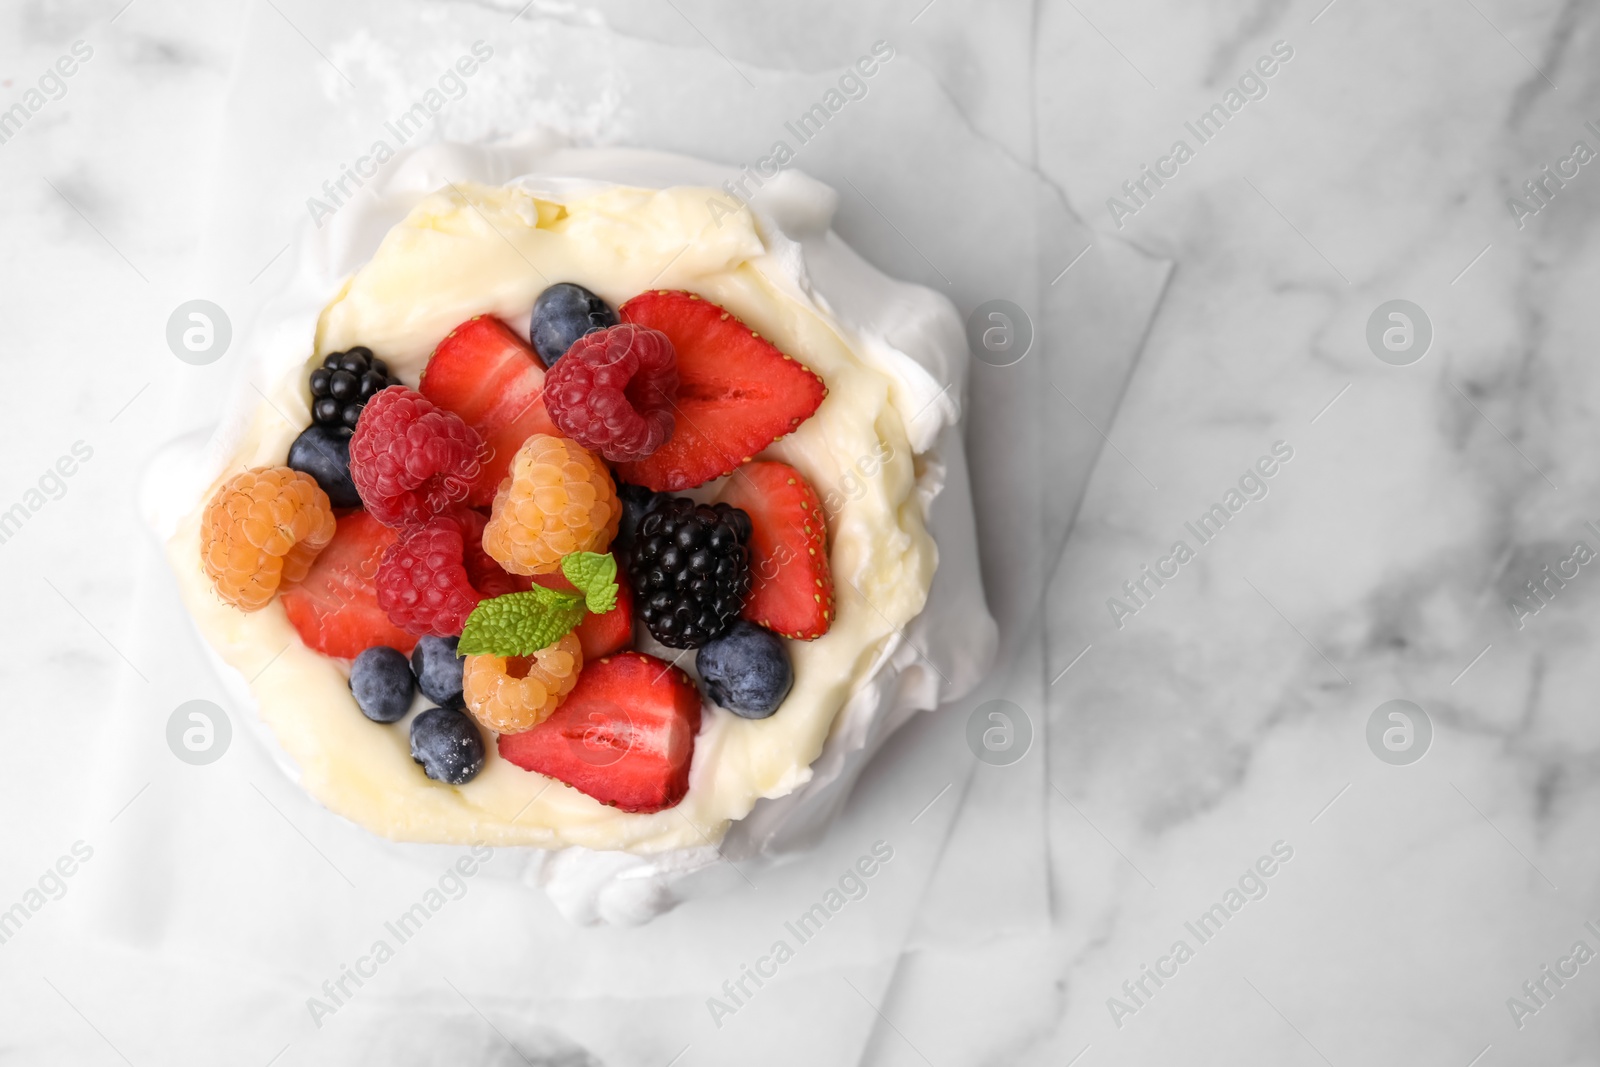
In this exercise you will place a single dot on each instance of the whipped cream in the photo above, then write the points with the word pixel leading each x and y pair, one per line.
pixel 879 451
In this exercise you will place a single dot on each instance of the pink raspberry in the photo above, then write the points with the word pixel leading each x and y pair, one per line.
pixel 411 459
pixel 613 391
pixel 430 580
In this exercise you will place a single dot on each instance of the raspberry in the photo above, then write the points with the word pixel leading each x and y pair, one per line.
pixel 512 695
pixel 430 580
pixel 409 458
pixel 263 527
pixel 690 569
pixel 557 500
pixel 613 391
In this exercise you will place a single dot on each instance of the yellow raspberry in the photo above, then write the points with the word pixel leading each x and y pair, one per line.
pixel 263 528
pixel 558 499
pixel 513 695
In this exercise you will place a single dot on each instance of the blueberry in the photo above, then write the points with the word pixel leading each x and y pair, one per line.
pixel 324 453
pixel 448 745
pixel 562 314
pixel 438 671
pixel 746 670
pixel 380 678
pixel 637 502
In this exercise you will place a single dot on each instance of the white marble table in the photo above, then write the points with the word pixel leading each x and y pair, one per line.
pixel 1219 732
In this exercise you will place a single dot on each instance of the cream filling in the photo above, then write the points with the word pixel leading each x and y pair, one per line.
pixel 470 250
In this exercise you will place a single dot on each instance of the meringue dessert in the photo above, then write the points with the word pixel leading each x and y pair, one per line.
pixel 588 511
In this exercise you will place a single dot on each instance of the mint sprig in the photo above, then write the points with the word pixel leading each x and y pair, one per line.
pixel 520 624
pixel 595 575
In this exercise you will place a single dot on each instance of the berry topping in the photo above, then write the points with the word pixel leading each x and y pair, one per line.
pixel 562 314
pixel 430 580
pixel 559 499
pixel 262 528
pixel 792 591
pixel 511 694
pixel 438 670
pixel 746 670
pixel 381 680
pixel 604 633
pixel 690 571
pixel 448 746
pixel 411 459
pixel 488 375
pixel 624 735
pixel 736 393
pixel 335 606
pixel 344 383
pixel 613 392
pixel 324 453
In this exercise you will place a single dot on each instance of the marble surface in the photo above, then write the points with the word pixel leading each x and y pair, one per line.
pixel 1226 718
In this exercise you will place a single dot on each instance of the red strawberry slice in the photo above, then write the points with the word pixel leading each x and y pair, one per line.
pixel 490 377
pixel 624 735
pixel 736 393
pixel 335 607
pixel 791 586
pixel 600 635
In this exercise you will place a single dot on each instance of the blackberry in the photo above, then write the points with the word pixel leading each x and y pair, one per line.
pixel 691 570
pixel 344 383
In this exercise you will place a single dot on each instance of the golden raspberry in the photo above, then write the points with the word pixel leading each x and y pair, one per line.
pixel 558 499
pixel 262 528
pixel 513 695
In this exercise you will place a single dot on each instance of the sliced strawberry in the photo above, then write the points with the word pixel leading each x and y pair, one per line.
pixel 600 635
pixel 736 393
pixel 791 586
pixel 335 607
pixel 624 735
pixel 490 377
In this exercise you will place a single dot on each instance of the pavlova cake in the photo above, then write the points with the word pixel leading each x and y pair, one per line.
pixel 582 516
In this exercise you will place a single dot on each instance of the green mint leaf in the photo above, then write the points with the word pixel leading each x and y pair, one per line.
pixel 520 624
pixel 595 575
